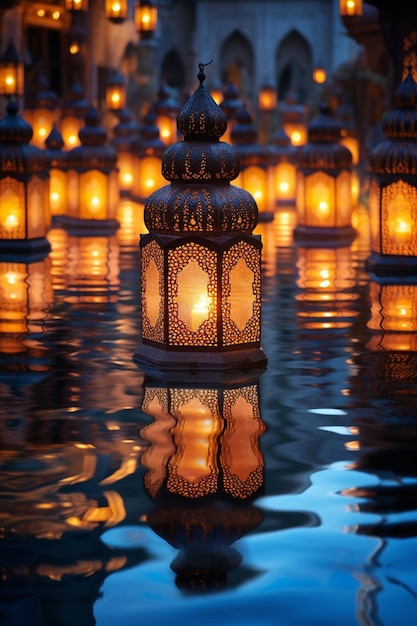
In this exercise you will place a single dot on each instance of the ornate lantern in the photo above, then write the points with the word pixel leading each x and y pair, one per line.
pixel 92 178
pixel 267 102
pixel 146 17
pixel 24 186
pixel 124 135
pixel 201 264
pixel 42 115
pixel 204 468
pixel 166 110
pixel 115 91
pixel 283 171
pixel 393 187
pixel 147 152
pixel 11 73
pixel 116 10
pixel 350 7
pixel 57 173
pixel 323 201
pixel 319 75
pixel 254 162
pixel 73 110
pixel 293 116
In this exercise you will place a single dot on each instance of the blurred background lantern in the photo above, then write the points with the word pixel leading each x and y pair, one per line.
pixel 76 5
pixel 124 135
pixel 319 74
pixel 282 168
pixel 93 192
pixel 146 18
pixel 294 118
pixel 147 150
pixel 201 264
pixel 349 137
pixel 230 104
pixel 254 162
pixel 41 111
pixel 393 315
pixel 24 189
pixel 57 158
pixel 73 110
pixel 267 105
pixel 324 198
pixel 11 73
pixel 115 91
pixel 350 7
pixel 393 187
pixel 116 10
pixel 166 110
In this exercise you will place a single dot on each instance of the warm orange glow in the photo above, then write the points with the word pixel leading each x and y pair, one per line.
pixel 115 97
pixel 350 7
pixel 70 127
pixel 284 181
pixel 11 214
pixel 167 129
pixel 146 17
pixel 267 100
pixel 56 15
pixel 40 13
pixel 116 9
pixel 74 48
pixel 319 75
pixel 193 300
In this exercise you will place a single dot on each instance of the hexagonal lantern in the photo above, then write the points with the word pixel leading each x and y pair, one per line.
pixel 200 262
pixel 282 168
pixel 24 188
pixel 57 173
pixel 323 197
pixel 393 187
pixel 147 151
pixel 92 176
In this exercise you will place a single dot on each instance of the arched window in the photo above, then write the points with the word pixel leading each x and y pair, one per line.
pixel 294 66
pixel 237 64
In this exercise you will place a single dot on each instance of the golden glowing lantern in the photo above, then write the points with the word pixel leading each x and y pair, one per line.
pixel 76 5
pixel 147 151
pixel 349 137
pixel 124 135
pixel 166 110
pixel 73 110
pixel 115 91
pixel 254 162
pixel 230 105
pixel 146 17
pixel 57 173
pixel 282 168
pixel 350 7
pixel 323 199
pixel 42 115
pixel 200 262
pixel 11 72
pixel 92 178
pixel 116 10
pixel 267 98
pixel 393 187
pixel 293 115
pixel 319 75
pixel 24 186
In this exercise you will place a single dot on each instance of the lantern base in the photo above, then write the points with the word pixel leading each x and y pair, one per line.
pixel 23 250
pixel 76 226
pixel 391 265
pixel 175 365
pixel 315 236
pixel 265 216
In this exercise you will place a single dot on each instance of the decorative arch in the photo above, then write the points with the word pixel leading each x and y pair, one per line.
pixel 237 63
pixel 173 71
pixel 294 66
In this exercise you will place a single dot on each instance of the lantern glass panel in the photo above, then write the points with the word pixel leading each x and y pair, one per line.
pixel 192 272
pixel 350 7
pixel 153 304
pixel 12 209
pixel 42 122
pixel 167 129
pixel 125 165
pixel 37 198
pixel 254 180
pixel 285 175
pixel 93 195
pixel 72 193
pixel 146 17
pixel 70 127
pixel 57 191
pixel 115 97
pixel 11 79
pixel 297 132
pixel 116 9
pixel 343 209
pixel 241 287
pixel 320 200
pixel 374 216
pixel 399 224
pixel 149 178
pixel 267 100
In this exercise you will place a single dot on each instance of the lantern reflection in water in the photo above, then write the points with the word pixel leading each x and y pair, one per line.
pixel 204 466
pixel 130 218
pixel 327 280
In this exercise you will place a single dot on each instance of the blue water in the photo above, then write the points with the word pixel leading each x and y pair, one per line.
pixel 329 536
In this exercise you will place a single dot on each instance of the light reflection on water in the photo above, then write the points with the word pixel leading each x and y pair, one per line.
pixel 294 503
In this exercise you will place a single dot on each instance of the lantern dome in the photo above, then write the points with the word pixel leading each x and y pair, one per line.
pixel 200 168
pixel 94 151
pixel 16 154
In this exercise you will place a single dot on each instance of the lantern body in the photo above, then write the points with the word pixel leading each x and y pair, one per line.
pixel 350 7
pixel 92 178
pixel 115 92
pixel 124 134
pixel 166 110
pixel 319 75
pixel 201 266
pixel 393 187
pixel 11 73
pixel 146 17
pixel 267 98
pixel 147 153
pixel 282 169
pixel 76 5
pixel 293 116
pixel 323 200
pixel 73 111
pixel 24 189
pixel 116 10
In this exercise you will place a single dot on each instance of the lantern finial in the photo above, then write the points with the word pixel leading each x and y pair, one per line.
pixel 201 76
